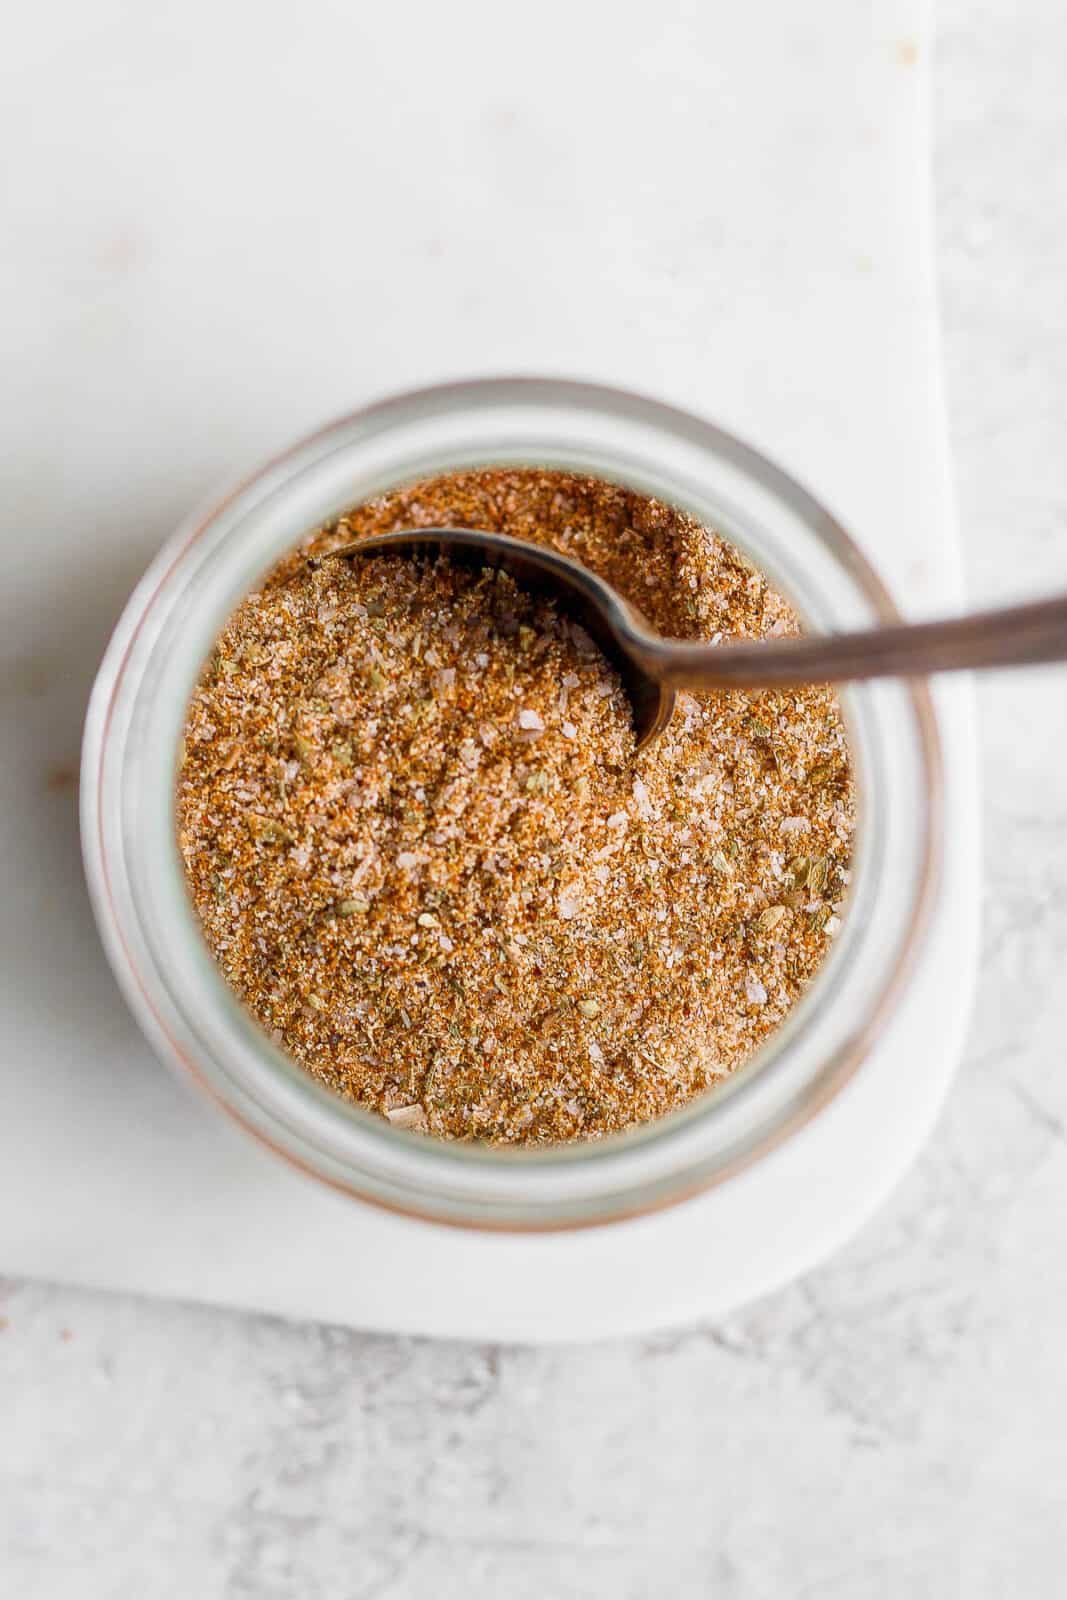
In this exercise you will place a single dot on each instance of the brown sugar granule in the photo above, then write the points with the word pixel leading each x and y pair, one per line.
pixel 427 858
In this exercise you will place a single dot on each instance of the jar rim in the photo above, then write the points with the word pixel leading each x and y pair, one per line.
pixel 295 1125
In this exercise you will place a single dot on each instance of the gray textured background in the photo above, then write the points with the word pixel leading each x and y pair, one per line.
pixel 895 1425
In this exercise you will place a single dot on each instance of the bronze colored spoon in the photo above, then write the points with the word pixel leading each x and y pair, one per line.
pixel 652 667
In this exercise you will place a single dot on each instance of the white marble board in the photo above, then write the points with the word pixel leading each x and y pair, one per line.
pixel 231 223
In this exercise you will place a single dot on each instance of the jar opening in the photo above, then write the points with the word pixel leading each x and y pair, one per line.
pixel 135 722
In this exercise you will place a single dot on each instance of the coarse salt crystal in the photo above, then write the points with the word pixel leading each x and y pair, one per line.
pixel 412 1116
pixel 602 874
pixel 568 907
pixel 571 680
pixel 406 860
pixel 595 1052
pixel 618 819
pixel 755 993
pixel 481 659
pixel 832 925
pixel 794 825
pixel 530 719
pixel 569 731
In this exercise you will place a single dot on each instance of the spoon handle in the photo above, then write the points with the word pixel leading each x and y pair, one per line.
pixel 1016 637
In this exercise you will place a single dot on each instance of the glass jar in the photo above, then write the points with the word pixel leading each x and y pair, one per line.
pixel 128 803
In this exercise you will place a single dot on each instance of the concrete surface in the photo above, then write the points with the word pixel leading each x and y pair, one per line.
pixel 894 1425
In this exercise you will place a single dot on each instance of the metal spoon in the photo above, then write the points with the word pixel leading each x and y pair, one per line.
pixel 652 667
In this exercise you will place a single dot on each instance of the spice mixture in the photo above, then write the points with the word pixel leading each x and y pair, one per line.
pixel 429 861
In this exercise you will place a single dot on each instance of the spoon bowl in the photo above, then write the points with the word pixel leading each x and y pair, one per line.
pixel 615 625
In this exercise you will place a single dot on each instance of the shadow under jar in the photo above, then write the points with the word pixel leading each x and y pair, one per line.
pixel 136 877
